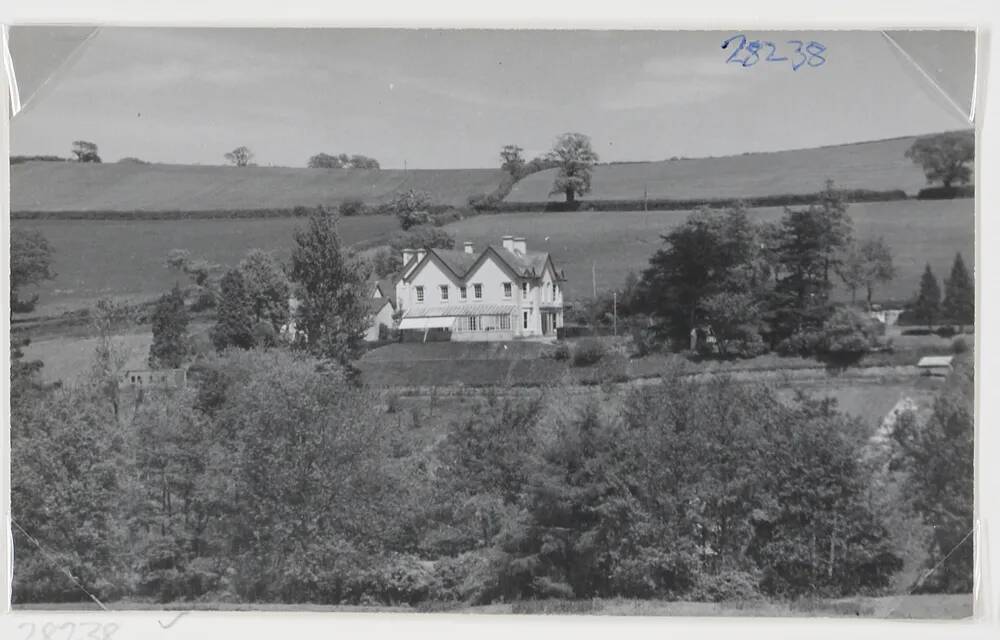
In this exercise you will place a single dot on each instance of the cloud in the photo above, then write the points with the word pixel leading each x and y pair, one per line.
pixel 667 81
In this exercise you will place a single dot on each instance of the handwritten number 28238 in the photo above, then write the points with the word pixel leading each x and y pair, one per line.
pixel 805 53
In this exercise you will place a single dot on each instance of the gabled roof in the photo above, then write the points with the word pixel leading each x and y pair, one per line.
pixel 387 287
pixel 530 264
pixel 375 304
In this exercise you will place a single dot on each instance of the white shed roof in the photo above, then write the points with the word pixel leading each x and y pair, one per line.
pixel 935 361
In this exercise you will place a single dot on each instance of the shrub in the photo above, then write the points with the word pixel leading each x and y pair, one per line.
pixel 726 586
pixel 353 207
pixel 561 352
pixel 959 345
pixel 588 351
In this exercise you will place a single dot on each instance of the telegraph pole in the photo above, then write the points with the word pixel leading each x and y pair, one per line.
pixel 614 312
pixel 593 270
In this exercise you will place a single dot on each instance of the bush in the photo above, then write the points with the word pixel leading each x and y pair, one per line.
pixel 847 332
pixel 561 352
pixel 726 586
pixel 959 345
pixel 353 207
pixel 588 351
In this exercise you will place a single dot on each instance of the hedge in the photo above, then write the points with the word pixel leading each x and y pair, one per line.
pixel 947 193
pixel 666 204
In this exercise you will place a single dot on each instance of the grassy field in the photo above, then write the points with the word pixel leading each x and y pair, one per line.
pixel 127 259
pixel 877 165
pixel 71 186
pixel 618 242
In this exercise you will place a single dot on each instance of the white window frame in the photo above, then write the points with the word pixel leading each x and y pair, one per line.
pixel 477 291
pixel 525 316
pixel 524 289
pixel 508 290
pixel 463 293
pixel 443 292
pixel 420 294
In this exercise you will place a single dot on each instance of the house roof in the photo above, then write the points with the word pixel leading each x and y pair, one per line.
pixel 530 264
pixel 375 304
pixel 387 287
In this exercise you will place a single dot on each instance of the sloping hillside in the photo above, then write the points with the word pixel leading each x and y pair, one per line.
pixel 878 165
pixel 69 186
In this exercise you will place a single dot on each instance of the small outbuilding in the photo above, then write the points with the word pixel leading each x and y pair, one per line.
pixel 935 365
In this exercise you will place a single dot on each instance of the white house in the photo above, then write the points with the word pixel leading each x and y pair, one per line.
pixel 500 292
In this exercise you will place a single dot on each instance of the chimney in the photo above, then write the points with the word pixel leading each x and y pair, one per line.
pixel 468 247
pixel 421 252
pixel 520 246
pixel 408 255
pixel 508 243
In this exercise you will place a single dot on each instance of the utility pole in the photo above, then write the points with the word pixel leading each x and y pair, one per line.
pixel 593 270
pixel 645 198
pixel 614 312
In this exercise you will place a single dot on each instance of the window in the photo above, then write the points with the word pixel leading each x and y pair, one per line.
pixel 420 294
pixel 525 319
pixel 444 292
pixel 463 293
pixel 477 291
pixel 505 323
pixel 472 323
pixel 524 288
pixel 507 290
pixel 553 291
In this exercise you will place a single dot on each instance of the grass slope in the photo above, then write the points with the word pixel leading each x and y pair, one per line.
pixel 69 186
pixel 918 232
pixel 126 259
pixel 877 165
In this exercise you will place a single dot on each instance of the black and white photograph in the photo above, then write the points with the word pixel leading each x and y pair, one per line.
pixel 493 321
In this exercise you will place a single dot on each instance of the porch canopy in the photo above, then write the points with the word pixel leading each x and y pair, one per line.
pixel 436 322
pixel 461 310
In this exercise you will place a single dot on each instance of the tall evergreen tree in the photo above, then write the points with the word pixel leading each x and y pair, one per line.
pixel 959 304
pixel 927 307
pixel 170 324
pixel 808 249
pixel 234 323
pixel 332 284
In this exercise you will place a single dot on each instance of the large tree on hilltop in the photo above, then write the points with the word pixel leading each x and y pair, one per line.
pixel 945 157
pixel 575 158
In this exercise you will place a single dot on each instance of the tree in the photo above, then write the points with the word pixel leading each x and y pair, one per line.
pixel 959 304
pixel 324 161
pixel 240 157
pixel 412 208
pixel 866 265
pixel 359 161
pixel 938 454
pixel 389 260
pixel 927 306
pixel 333 290
pixel 735 320
pixel 85 151
pixel 575 158
pixel 170 339
pixel 342 161
pixel 809 246
pixel 132 160
pixel 267 288
pixel 945 157
pixel 710 253
pixel 235 317
pixel 30 264
pixel 513 161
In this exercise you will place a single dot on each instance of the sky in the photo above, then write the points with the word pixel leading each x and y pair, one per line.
pixel 446 99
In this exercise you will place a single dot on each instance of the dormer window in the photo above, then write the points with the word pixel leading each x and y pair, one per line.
pixel 524 289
